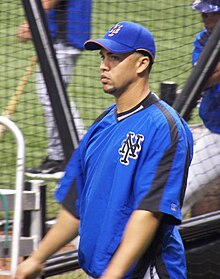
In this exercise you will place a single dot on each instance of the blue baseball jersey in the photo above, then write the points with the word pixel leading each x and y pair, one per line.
pixel 209 110
pixel 136 160
pixel 70 22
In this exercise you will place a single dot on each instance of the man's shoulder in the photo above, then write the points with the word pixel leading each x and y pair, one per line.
pixel 202 37
pixel 103 114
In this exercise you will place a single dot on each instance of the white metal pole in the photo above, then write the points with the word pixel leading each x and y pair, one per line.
pixel 20 169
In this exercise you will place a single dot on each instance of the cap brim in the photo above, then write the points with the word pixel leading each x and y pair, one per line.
pixel 107 44
pixel 112 46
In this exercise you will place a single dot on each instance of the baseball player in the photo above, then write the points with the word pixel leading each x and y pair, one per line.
pixel 205 166
pixel 124 185
pixel 69 23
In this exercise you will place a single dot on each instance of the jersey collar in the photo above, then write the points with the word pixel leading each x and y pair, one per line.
pixel 151 98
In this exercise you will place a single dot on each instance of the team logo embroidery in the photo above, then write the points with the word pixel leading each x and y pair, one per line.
pixel 130 147
pixel 115 30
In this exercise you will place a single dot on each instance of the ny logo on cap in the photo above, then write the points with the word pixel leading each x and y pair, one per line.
pixel 115 30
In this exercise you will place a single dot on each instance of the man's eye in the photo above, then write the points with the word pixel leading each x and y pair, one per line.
pixel 115 57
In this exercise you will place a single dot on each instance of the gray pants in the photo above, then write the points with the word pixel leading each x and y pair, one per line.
pixel 67 57
pixel 205 167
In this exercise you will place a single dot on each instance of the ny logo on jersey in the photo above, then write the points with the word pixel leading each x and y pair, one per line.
pixel 130 148
pixel 115 30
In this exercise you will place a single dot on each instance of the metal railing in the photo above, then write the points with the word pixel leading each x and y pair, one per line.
pixel 20 166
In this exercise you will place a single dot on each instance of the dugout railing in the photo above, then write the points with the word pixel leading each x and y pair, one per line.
pixel 26 200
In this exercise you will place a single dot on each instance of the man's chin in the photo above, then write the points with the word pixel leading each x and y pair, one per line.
pixel 110 91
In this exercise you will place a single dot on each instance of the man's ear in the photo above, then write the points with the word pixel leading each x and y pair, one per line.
pixel 143 63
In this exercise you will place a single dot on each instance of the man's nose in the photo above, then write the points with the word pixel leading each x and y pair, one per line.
pixel 104 65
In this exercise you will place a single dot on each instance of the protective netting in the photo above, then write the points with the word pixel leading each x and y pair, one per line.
pixel 174 26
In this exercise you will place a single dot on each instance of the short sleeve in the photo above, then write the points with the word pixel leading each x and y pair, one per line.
pixel 69 188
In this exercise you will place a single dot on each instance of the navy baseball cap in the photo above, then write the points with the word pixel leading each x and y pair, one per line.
pixel 206 6
pixel 125 37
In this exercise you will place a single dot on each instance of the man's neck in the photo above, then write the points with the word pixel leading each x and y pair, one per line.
pixel 131 98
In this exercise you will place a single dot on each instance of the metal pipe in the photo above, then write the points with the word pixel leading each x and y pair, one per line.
pixel 191 92
pixel 20 166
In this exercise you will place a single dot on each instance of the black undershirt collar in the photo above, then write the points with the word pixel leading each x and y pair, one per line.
pixel 148 101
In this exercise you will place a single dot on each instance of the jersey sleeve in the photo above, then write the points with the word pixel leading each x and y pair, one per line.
pixel 199 44
pixel 70 186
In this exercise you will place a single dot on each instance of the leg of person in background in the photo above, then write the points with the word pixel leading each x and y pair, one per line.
pixel 205 167
pixel 53 165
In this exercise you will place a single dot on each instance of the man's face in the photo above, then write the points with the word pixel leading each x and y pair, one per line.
pixel 118 71
pixel 210 20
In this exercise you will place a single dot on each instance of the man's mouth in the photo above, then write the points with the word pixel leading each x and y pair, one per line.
pixel 104 79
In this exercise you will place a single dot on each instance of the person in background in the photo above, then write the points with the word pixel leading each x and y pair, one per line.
pixel 69 23
pixel 124 185
pixel 205 166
